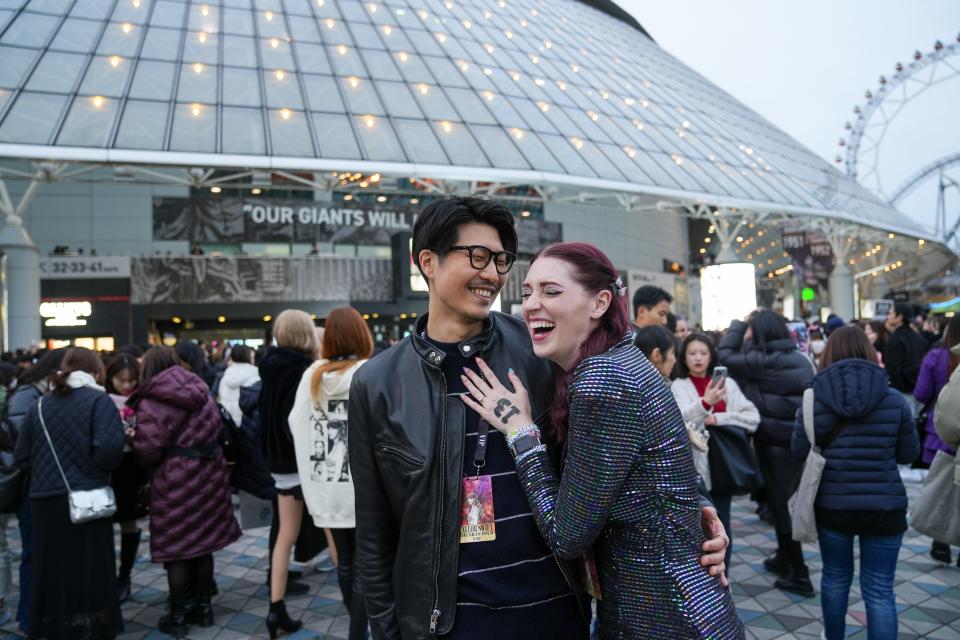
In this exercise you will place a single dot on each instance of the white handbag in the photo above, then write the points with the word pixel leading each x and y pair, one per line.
pixel 91 504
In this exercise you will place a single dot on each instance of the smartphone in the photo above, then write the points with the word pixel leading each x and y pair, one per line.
pixel 719 374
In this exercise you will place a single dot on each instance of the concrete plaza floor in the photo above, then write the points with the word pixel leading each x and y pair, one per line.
pixel 928 594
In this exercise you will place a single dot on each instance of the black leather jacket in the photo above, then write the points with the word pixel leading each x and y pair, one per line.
pixel 406 456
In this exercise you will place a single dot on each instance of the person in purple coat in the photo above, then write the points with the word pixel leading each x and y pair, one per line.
pixel 191 516
pixel 935 370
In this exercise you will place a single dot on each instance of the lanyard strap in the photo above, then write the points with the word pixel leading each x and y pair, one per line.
pixel 480 453
pixel 50 442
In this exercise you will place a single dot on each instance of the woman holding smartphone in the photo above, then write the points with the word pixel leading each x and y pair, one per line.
pixel 708 398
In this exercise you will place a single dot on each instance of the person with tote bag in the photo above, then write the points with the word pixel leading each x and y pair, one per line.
pixel 863 428
pixel 71 441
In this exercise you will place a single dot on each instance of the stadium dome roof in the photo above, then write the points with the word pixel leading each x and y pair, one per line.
pixel 559 92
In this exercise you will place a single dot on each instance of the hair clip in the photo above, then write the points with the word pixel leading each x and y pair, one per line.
pixel 617 287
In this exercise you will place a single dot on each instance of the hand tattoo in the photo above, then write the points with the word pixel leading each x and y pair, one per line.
pixel 502 404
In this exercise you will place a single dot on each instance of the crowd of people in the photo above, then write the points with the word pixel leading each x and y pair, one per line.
pixel 620 436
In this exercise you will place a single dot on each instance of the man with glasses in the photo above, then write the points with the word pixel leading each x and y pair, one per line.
pixel 446 543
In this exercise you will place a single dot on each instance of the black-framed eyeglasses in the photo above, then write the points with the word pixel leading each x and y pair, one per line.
pixel 480 257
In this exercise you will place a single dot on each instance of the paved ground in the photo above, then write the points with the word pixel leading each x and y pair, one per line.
pixel 928 594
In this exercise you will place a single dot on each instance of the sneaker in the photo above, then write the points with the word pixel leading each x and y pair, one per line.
pixel 5 617
pixel 323 563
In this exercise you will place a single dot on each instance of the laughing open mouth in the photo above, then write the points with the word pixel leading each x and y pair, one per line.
pixel 542 328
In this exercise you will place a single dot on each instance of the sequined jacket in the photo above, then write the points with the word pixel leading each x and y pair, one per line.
pixel 629 492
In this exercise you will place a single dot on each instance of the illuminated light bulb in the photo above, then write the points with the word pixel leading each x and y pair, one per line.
pixel 221 319
pixel 364 184
pixel 467 24
pixel 136 4
pixel 387 30
pixel 330 23
pixel 463 66
pixel 487 71
pixel 279 74
pixel 375 177
pixel 423 89
pixel 604 94
pixel 488 47
pixel 534 59
pixel 638 124
pixel 353 81
pixel 921 242
pixel 509 34
pixel 195 109
pixel 274 43
pixel 268 15
pixel 517 133
pixel 533 12
pixel 256 191
pixel 685 124
pixel 630 151
pixel 575 68
pixel 202 37
pixel 348 197
pixel 414 200
pixel 577 142
pixel 539 82
pixel 370 121
pixel 677 159
pixel 523 22
pixel 423 14
pixel 593 115
pixel 448 5
pixel 891 235
pixel 319 3
pixel 373 7
pixel 644 104
pixel 548 44
pixel 403 56
pixel 488 95
pixel 501 4
pixel 285 114
pixel 562 85
pixel 381 198
pixel 197 68
pixel 487 14
pixel 629 102
pixel 204 10
pixel 446 126
pixel 97 101
pixel 515 75
pixel 126 27
pixel 543 106
pixel 114 61
pixel 342 49
pixel 442 37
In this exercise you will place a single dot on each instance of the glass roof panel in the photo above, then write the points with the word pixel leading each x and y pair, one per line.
pixel 322 93
pixel 283 90
pixel 153 80
pixel 275 54
pixel 161 44
pixel 30 30
pixel 433 102
pixel 445 72
pixel 57 72
pixel 198 83
pixel 380 64
pixel 77 35
pixel 378 139
pixel 106 76
pixel 237 22
pixel 120 38
pixel 194 128
pixel 204 17
pixel 346 60
pixel 239 51
pixel 335 136
pixel 48 6
pixel 201 46
pixel 166 14
pixel 289 133
pixel 241 87
pixel 16 61
pixel 243 131
pixel 95 9
pixel 88 122
pixel 136 12
pixel 469 106
pixel 421 144
pixel 496 144
pixel 32 118
pixel 361 96
pixel 566 152
pixel 398 100
pixel 312 58
pixel 4 96
pixel 459 144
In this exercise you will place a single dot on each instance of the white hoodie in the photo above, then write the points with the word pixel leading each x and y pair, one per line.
pixel 238 374
pixel 320 440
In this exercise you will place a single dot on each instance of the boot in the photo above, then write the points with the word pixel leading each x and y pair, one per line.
pixel 352 592
pixel 129 544
pixel 279 620
pixel 941 552
pixel 202 613
pixel 798 581
pixel 175 622
pixel 776 564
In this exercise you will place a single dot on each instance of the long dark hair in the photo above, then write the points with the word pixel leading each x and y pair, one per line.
pixel 593 270
pixel 849 341
pixel 76 359
pixel 682 370
pixel 156 360
pixel 121 362
pixel 46 366
pixel 766 327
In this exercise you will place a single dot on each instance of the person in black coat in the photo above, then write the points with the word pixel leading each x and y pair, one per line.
pixel 763 359
pixel 903 352
pixel 281 370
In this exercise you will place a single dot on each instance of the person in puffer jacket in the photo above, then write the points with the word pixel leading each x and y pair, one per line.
pixel 772 373
pixel 864 428
pixel 191 514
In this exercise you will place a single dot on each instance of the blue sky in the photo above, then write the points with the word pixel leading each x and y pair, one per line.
pixel 804 65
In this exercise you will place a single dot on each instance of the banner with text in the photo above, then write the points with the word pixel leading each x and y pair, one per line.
pixel 812 256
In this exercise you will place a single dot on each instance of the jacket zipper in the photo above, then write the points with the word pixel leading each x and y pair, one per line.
pixel 435 614
pixel 398 452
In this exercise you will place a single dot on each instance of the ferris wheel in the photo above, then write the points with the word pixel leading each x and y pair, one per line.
pixel 867 131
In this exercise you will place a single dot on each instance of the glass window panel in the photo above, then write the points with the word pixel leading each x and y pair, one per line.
pixel 353 11
pixel 425 43
pixel 270 24
pixel 204 17
pixel 88 123
pixel 161 44
pixel 194 128
pixel 30 30
pixel 56 7
pixel 599 162
pixel 241 87
pixel 275 54
pixel 361 96
pixel 496 144
pixel 654 170
pixel 289 133
pixel 396 96
pixel 365 34
pixel 198 83
pixel 76 35
pixel 142 125
pixel 32 118
pixel 379 140
pixel 106 76
pixel 16 61
pixel 136 11
pixel 622 160
pixel 577 120
pixel 152 80
pixel 502 111
pixel 335 136
pixel 267 5
pixel 412 67
pixel 304 29
pixel 380 64
pixel 97 9
pixel 420 142
pixel 322 93
pixel 239 51
pixel 283 90
pixel 4 96
pixel 335 31
pixel 120 38
pixel 564 151
pixel 346 60
pixel 237 4
pixel 532 115
pixel 445 72
pixel 470 106
pixel 238 22
pixel 459 144
pixel 201 46
pixel 168 14
pixel 434 104
pixel 312 58
pixel 298 7
pixel 57 72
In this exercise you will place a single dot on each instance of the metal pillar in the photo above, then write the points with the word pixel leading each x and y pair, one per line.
pixel 841 291
pixel 21 283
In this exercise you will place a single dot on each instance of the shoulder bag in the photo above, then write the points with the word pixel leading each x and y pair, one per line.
pixel 734 469
pixel 88 505
pixel 936 512
pixel 803 518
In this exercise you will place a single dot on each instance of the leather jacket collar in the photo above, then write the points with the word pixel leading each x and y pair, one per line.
pixel 469 347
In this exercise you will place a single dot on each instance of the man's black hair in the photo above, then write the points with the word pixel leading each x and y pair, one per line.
pixel 437 228
pixel 671 322
pixel 654 336
pixel 649 296
pixel 904 310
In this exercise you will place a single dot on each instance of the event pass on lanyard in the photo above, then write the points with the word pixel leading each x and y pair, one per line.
pixel 477 520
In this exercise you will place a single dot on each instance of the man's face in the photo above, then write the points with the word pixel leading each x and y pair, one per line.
pixel 459 289
pixel 893 321
pixel 683 330
pixel 657 314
